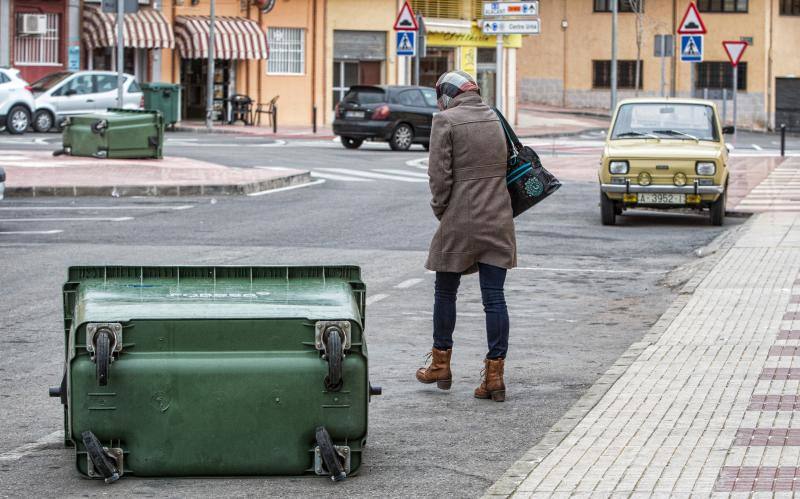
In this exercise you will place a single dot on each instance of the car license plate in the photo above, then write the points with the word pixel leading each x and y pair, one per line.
pixel 661 198
pixel 354 114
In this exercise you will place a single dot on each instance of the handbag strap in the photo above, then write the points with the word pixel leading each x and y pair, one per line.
pixel 511 138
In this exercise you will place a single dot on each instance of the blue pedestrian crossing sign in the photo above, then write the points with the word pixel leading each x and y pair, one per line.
pixel 692 48
pixel 407 43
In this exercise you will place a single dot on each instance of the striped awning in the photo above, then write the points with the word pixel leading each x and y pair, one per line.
pixel 146 29
pixel 234 38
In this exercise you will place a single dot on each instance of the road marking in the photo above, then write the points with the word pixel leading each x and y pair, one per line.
pixel 63 219
pixel 757 147
pixel 379 176
pixel 29 232
pixel 57 437
pixel 408 283
pixel 288 188
pixel 421 163
pixel 403 172
pixel 333 176
pixel 376 298
pixel 79 208
pixel 601 271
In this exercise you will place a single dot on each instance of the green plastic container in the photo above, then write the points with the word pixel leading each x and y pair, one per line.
pixel 215 370
pixel 116 133
pixel 164 97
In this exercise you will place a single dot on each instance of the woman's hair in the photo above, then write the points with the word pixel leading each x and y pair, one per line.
pixel 453 84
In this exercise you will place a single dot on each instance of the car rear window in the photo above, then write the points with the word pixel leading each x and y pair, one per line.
pixel 365 96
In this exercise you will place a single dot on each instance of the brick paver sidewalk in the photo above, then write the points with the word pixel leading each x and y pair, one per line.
pixel 708 402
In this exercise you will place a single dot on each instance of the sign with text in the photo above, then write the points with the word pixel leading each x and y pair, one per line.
pixel 512 27
pixel 500 9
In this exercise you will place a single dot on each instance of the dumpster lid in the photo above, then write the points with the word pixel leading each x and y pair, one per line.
pixel 116 294
pixel 157 85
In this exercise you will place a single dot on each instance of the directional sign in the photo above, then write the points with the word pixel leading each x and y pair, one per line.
pixel 500 9
pixel 692 48
pixel 735 49
pixel 406 43
pixel 692 23
pixel 406 20
pixel 515 27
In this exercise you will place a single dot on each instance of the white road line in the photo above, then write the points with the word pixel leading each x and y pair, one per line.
pixel 63 219
pixel 289 188
pixel 23 450
pixel 379 176
pixel 80 208
pixel 408 283
pixel 601 271
pixel 29 232
pixel 333 176
pixel 421 163
pixel 403 172
pixel 376 298
pixel 757 147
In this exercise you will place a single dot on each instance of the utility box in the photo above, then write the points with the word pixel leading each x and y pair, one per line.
pixel 116 133
pixel 214 371
pixel 164 97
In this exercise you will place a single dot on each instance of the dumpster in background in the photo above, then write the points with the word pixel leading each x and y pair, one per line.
pixel 189 371
pixel 116 133
pixel 164 97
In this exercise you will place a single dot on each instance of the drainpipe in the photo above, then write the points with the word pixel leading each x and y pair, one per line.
pixel 313 60
pixel 325 61
pixel 673 62
pixel 260 63
pixel 770 79
pixel 155 59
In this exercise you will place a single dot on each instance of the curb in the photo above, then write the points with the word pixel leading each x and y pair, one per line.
pixel 561 134
pixel 508 483
pixel 274 136
pixel 159 190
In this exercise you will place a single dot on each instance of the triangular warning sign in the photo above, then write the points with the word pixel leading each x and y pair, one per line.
pixel 406 20
pixel 405 43
pixel 735 49
pixel 691 48
pixel 692 23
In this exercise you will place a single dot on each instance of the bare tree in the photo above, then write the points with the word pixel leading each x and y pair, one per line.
pixel 637 6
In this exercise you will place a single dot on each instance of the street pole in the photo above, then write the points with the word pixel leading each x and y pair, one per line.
pixel 691 79
pixel 663 62
pixel 417 54
pixel 210 80
pixel 735 84
pixel 614 10
pixel 120 50
pixel 498 97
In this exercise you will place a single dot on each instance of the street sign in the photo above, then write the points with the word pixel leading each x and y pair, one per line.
pixel 692 48
pixel 667 46
pixel 406 20
pixel 512 27
pixel 110 6
pixel 692 23
pixel 734 49
pixel 406 43
pixel 500 9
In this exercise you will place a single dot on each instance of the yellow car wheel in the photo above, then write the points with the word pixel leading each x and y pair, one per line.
pixel 717 211
pixel 608 210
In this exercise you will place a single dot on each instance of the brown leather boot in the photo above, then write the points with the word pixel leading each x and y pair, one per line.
pixel 492 385
pixel 438 371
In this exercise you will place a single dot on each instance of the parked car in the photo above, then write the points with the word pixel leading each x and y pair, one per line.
pixel 16 101
pixel 401 115
pixel 2 183
pixel 664 153
pixel 63 94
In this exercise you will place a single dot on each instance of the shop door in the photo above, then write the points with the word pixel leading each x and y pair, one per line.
pixel 787 103
pixel 435 64
pixel 194 74
pixel 487 74
pixel 370 73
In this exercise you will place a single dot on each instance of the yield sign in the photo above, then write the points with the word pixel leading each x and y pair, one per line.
pixel 692 24
pixel 406 20
pixel 735 49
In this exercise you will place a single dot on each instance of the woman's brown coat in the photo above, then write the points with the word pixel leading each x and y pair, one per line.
pixel 467 170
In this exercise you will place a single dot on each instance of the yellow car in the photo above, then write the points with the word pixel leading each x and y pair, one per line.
pixel 664 153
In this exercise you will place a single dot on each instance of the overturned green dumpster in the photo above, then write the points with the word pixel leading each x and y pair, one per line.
pixel 116 133
pixel 176 371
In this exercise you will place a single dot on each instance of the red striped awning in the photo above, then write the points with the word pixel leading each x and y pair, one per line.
pixel 146 29
pixel 234 38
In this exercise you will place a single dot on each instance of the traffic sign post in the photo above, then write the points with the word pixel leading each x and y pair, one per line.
pixel 663 48
pixel 690 28
pixel 407 25
pixel 735 50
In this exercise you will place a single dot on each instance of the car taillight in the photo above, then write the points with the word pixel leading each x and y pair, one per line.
pixel 381 113
pixel 338 112
pixel 141 102
pixel 29 88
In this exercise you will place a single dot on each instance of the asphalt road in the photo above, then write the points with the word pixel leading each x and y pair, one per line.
pixel 582 294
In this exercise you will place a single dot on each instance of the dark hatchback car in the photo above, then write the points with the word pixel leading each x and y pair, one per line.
pixel 400 115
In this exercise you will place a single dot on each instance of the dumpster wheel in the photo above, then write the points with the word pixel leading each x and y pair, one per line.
pixel 102 355
pixel 334 352
pixel 329 455
pixel 102 461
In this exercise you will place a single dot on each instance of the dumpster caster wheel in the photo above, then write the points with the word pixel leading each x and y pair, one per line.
pixel 102 356
pixel 334 353
pixel 329 455
pixel 102 461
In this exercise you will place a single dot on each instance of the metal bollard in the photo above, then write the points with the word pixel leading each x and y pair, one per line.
pixel 724 105
pixel 783 140
pixel 274 119
pixel 705 93
pixel 314 119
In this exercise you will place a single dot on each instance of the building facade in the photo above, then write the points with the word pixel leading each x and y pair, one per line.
pixel 568 65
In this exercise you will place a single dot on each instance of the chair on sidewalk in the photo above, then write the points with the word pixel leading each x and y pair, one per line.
pixel 266 108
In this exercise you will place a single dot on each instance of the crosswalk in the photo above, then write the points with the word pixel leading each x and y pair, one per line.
pixel 780 191
pixel 371 175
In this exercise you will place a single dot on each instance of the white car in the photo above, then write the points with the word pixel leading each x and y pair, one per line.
pixel 16 102
pixel 63 94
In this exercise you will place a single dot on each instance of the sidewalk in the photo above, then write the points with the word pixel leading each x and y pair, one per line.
pixel 708 401
pixel 284 132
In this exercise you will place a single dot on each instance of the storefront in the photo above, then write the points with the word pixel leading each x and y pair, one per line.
pixel 38 41
pixel 358 59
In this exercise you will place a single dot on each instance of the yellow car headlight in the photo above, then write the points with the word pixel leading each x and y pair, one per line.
pixel 679 179
pixel 618 167
pixel 705 168
pixel 645 178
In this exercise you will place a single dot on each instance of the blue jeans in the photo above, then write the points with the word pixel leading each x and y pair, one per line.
pixel 492 280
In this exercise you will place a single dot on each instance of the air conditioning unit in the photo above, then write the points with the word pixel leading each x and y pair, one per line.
pixel 32 24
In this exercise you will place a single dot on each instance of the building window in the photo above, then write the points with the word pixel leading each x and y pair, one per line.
pixel 626 74
pixel 719 75
pixel 286 51
pixel 451 9
pixel 38 50
pixel 790 7
pixel 623 5
pixel 722 6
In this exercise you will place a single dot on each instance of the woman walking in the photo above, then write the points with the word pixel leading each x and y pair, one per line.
pixel 467 170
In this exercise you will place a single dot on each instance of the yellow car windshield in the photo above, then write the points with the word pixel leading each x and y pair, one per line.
pixel 665 121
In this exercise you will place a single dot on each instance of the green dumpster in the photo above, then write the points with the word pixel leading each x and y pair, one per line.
pixel 202 371
pixel 164 97
pixel 116 133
